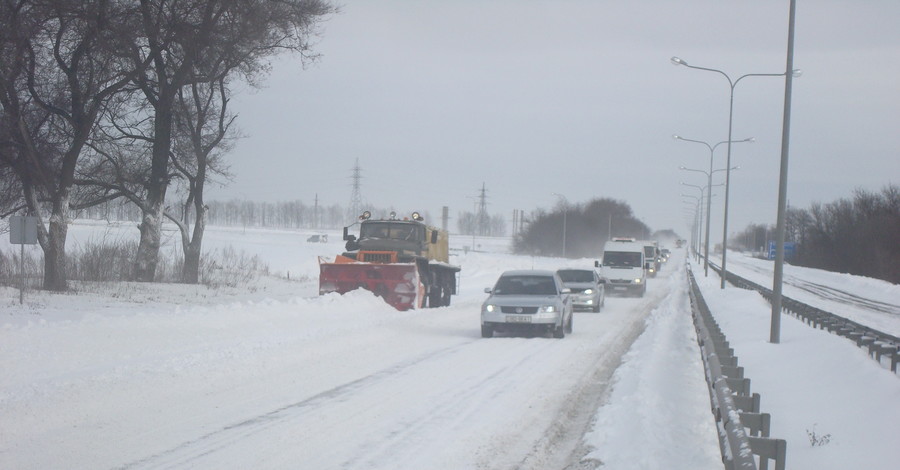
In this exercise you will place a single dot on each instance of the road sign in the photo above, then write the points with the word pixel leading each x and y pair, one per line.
pixel 790 249
pixel 23 230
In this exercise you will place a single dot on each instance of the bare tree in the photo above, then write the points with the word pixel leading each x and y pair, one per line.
pixel 203 131
pixel 71 68
pixel 197 41
pixel 22 123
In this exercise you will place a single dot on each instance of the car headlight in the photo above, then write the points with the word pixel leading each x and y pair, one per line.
pixel 489 308
pixel 548 309
pixel 637 281
pixel 588 291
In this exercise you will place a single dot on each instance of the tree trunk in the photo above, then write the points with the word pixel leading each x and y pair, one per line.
pixel 154 204
pixel 148 249
pixel 52 241
pixel 190 273
pixel 55 262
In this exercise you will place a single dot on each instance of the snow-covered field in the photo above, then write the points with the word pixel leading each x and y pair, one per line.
pixel 871 302
pixel 271 375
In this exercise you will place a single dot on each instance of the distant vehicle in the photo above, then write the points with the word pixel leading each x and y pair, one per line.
pixel 651 257
pixel 624 267
pixel 588 290
pixel 665 253
pixel 317 238
pixel 527 300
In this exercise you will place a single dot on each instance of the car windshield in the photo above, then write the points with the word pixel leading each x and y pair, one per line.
pixel 630 259
pixel 393 231
pixel 576 275
pixel 525 285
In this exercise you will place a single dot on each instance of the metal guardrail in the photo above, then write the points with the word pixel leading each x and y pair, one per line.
pixel 735 408
pixel 879 344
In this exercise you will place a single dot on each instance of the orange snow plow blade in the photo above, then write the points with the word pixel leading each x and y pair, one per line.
pixel 397 283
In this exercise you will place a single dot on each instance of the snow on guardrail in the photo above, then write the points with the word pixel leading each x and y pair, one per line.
pixel 735 408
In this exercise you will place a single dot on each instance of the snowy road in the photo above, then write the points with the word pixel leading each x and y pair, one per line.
pixel 438 395
pixel 307 382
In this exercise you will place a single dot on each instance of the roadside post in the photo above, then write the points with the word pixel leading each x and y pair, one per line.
pixel 22 231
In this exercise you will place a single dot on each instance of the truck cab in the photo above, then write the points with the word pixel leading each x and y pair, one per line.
pixel 396 240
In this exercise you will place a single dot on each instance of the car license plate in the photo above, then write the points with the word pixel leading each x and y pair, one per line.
pixel 620 288
pixel 518 319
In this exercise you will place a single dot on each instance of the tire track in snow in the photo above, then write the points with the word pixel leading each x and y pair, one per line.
pixel 831 293
pixel 468 395
pixel 183 454
pixel 403 415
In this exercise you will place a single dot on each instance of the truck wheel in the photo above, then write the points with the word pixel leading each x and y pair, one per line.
pixel 487 331
pixel 434 297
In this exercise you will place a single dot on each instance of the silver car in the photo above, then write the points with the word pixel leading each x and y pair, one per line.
pixel 588 290
pixel 527 300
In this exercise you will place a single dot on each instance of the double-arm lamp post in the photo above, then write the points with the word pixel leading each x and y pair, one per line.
pixel 731 84
pixel 695 223
pixel 708 190
pixel 709 184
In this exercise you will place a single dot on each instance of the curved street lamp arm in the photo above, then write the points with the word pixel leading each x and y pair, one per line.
pixel 692 169
pixel 678 137
pixel 755 75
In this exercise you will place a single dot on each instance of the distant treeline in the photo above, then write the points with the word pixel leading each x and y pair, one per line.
pixel 586 227
pixel 238 213
pixel 858 236
pixel 289 214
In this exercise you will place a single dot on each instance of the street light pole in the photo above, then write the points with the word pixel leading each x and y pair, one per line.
pixel 709 195
pixel 696 233
pixel 712 151
pixel 775 327
pixel 706 188
pixel 731 84
pixel 696 224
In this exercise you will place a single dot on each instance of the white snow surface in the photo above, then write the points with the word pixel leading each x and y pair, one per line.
pixel 871 302
pixel 271 375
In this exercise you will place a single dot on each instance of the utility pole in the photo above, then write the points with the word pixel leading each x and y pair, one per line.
pixel 609 228
pixel 316 213
pixel 355 208
pixel 482 212
pixel 515 222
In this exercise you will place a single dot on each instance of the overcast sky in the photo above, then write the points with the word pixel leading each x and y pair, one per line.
pixel 576 97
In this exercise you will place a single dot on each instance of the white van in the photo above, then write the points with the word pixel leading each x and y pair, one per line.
pixel 623 267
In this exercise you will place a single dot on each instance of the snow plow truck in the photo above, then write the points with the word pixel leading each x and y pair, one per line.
pixel 404 261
